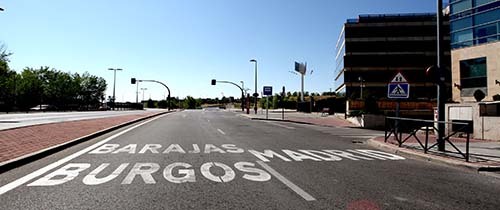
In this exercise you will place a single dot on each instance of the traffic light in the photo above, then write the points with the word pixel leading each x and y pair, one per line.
pixel 132 81
pixel 214 81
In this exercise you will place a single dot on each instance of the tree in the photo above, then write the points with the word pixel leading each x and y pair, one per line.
pixel 7 81
pixel 190 103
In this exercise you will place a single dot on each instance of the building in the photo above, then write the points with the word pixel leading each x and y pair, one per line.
pixel 475 54
pixel 475 35
pixel 372 49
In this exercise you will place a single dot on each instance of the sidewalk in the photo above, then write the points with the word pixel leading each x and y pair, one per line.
pixel 299 117
pixel 19 143
pixel 483 154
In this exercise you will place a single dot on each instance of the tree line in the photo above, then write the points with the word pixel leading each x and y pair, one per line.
pixel 44 85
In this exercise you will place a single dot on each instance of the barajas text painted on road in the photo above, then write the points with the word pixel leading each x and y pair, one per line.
pixel 181 172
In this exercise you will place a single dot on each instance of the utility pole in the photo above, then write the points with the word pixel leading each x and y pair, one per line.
pixel 256 95
pixel 114 84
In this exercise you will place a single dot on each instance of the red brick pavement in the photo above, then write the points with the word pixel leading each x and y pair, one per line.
pixel 17 142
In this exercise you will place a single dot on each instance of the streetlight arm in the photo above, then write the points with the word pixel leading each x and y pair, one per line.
pixel 156 82
pixel 232 84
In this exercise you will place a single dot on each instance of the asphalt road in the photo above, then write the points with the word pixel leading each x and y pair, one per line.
pixel 8 121
pixel 218 160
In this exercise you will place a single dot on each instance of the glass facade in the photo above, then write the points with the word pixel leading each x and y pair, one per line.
pixel 474 22
pixel 473 76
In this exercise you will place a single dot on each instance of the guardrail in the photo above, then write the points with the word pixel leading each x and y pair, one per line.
pixel 396 126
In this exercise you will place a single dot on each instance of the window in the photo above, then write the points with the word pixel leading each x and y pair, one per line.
pixel 461 6
pixel 461 24
pixel 461 36
pixel 481 2
pixel 473 76
pixel 487 17
pixel 487 30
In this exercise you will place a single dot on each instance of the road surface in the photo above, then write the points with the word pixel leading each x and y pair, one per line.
pixel 218 160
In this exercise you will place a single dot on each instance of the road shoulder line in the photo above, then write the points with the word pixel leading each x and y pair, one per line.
pixel 16 162
pixel 18 182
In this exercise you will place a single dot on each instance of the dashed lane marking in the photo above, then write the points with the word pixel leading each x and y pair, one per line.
pixel 220 131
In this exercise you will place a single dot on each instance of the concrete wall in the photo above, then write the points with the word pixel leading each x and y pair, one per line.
pixel 484 127
pixel 368 121
pixel 492 53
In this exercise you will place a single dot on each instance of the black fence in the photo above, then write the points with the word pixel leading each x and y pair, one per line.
pixel 396 126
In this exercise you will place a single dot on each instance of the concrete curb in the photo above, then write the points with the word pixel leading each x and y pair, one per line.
pixel 429 157
pixel 290 121
pixel 19 161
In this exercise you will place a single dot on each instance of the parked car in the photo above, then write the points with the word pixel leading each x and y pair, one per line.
pixel 44 107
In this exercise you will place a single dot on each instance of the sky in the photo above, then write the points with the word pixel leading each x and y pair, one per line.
pixel 186 43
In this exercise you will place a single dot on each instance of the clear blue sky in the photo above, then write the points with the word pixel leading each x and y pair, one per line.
pixel 186 43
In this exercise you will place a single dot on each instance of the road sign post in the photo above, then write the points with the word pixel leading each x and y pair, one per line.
pixel 268 91
pixel 398 88
pixel 283 104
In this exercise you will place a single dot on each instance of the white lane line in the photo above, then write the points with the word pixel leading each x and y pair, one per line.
pixel 287 182
pixel 66 159
pixel 220 131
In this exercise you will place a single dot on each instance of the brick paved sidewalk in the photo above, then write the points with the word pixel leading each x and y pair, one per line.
pixel 313 118
pixel 22 141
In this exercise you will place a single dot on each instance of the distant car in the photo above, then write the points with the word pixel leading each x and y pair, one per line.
pixel 44 107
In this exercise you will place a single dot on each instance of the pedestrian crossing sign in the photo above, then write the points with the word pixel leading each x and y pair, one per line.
pixel 398 90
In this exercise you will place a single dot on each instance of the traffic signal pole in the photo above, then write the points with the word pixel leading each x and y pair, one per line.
pixel 441 88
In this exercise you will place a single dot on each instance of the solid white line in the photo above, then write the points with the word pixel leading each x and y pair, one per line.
pixel 287 182
pixel 66 159
pixel 220 131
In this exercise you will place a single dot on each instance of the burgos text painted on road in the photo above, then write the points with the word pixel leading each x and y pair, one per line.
pixel 181 172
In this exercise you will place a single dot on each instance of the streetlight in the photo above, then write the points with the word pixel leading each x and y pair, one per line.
pixel 360 79
pixel 114 83
pixel 255 94
pixel 143 89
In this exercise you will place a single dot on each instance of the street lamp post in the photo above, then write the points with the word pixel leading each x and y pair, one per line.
pixel 255 94
pixel 114 83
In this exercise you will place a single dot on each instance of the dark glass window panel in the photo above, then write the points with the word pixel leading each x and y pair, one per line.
pixel 488 7
pixel 461 6
pixel 461 36
pixel 461 24
pixel 487 17
pixel 486 30
pixel 481 2
pixel 487 39
pixel 473 73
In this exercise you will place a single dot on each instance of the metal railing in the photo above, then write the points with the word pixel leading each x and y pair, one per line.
pixel 396 126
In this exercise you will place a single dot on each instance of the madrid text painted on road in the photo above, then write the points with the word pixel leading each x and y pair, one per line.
pixel 187 172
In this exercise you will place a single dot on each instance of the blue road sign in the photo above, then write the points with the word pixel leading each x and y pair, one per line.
pixel 398 90
pixel 268 90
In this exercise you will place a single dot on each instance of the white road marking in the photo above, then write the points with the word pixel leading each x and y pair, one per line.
pixel 220 131
pixel 283 126
pixel 27 178
pixel 287 182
